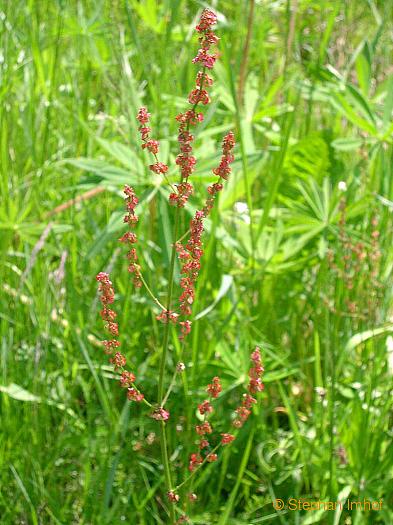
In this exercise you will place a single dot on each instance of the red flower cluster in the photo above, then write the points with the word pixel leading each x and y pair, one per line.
pixel 255 385
pixel 150 144
pixel 173 497
pixel 185 160
pixel 129 237
pixel 167 316
pixel 195 460
pixel 226 439
pixel 191 253
pixel 223 170
pixel 215 387
pixel 160 414
pixel 205 428
pixel 207 39
pixel 107 296
pixel 205 407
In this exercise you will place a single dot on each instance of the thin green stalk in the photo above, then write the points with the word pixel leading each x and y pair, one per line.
pixel 168 307
pixel 164 446
pixel 167 470
pixel 150 292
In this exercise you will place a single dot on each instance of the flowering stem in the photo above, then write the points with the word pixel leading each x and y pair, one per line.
pixel 197 468
pixel 164 449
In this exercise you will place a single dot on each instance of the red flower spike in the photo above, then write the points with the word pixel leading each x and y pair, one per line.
pixel 143 116
pixel 208 19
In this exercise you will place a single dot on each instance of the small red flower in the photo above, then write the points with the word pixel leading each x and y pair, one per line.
pixel 195 460
pixel 173 497
pixel 205 407
pixel 110 345
pixel 203 444
pixel 143 116
pixel 134 395
pixel 126 379
pixel 215 387
pixel 152 146
pixel 208 19
pixel 160 414
pixel 118 360
pixel 159 168
pixel 167 316
pixel 227 438
pixel 203 429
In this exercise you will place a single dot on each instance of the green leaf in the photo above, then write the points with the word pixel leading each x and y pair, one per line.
pixel 105 171
pixel 347 144
pixel 361 337
pixel 226 283
pixel 19 393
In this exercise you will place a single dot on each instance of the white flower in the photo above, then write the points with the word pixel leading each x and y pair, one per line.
pixel 342 185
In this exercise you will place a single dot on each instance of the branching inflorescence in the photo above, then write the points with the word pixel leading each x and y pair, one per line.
pixel 189 250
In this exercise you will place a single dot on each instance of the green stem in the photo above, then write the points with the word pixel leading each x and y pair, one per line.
pixel 150 292
pixel 167 470
pixel 164 446
pixel 168 307
pixel 172 384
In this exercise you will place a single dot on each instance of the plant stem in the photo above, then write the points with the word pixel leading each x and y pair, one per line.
pixel 168 307
pixel 150 292
pixel 164 447
pixel 167 470
pixel 172 384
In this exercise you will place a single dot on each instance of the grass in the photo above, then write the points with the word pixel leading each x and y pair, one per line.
pixel 318 100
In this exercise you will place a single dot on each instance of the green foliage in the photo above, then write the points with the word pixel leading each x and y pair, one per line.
pixel 280 267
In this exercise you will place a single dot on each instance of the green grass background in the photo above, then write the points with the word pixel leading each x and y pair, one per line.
pixel 317 110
